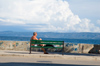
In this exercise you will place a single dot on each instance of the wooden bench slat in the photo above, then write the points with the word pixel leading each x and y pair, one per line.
pixel 47 43
pixel 45 47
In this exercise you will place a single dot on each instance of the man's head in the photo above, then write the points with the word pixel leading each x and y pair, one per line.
pixel 35 33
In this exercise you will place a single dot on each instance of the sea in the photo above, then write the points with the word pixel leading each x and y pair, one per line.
pixel 66 40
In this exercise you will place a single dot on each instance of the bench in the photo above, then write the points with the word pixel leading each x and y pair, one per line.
pixel 60 44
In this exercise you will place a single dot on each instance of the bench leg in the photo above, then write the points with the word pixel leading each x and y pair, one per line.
pixel 30 51
pixel 63 52
pixel 63 49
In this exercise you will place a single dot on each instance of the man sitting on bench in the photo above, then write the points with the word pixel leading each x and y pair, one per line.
pixel 35 38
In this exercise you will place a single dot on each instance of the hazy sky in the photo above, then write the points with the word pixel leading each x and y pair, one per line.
pixel 50 15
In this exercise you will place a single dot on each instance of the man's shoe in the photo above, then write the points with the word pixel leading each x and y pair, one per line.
pixel 46 53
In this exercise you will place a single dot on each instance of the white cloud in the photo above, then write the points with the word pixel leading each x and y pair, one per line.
pixel 45 15
pixel 11 22
pixel 86 26
pixel 98 22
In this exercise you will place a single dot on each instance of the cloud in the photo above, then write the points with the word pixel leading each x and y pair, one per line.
pixel 11 22
pixel 86 26
pixel 98 22
pixel 44 16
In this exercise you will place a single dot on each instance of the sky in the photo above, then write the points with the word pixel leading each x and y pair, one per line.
pixel 50 15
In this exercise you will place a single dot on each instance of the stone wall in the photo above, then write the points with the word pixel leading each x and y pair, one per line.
pixel 95 49
pixel 14 45
pixel 69 47
pixel 78 48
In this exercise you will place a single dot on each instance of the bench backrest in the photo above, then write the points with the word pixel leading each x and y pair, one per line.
pixel 47 42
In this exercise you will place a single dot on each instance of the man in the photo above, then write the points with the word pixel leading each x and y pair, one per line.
pixel 35 38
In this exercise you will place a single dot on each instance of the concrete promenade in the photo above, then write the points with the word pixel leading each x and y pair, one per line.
pixel 51 55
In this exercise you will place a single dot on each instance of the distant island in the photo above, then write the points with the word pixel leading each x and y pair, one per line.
pixel 74 35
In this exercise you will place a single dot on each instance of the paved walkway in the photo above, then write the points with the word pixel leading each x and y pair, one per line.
pixel 56 55
pixel 31 61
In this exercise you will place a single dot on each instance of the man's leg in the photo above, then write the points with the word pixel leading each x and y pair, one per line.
pixel 44 50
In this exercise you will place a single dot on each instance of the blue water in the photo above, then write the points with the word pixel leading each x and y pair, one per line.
pixel 85 41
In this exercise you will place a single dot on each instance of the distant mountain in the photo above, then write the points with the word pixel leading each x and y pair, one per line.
pixel 71 35
pixel 82 35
